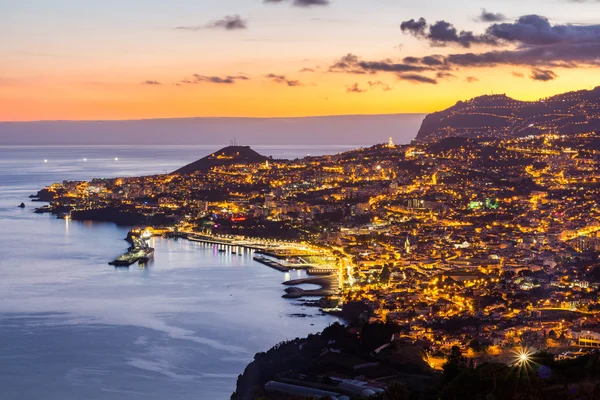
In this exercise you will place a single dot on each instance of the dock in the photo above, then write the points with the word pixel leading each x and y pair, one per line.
pixel 271 263
pixel 328 287
pixel 224 242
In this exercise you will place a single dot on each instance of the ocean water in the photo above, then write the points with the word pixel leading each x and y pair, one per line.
pixel 73 327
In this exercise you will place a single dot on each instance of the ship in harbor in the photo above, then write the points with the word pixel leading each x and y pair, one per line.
pixel 139 252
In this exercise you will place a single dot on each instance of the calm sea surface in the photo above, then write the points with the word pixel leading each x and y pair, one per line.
pixel 72 327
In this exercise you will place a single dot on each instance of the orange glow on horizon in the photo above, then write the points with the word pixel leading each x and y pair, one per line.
pixel 319 94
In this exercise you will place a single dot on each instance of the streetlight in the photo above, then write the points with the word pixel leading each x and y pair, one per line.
pixel 523 357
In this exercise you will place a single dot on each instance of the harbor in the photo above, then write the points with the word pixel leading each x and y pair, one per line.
pixel 318 263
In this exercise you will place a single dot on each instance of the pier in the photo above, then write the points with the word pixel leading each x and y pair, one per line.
pixel 223 241
pixel 271 263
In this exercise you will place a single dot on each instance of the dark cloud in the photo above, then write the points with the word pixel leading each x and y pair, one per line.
pixel 416 28
pixel 534 42
pixel 528 30
pixel 350 63
pixel 487 16
pixel 307 70
pixel 229 23
pixel 565 55
pixel 416 78
pixel 378 84
pixel 412 60
pixel 355 89
pixel 445 75
pixel 443 33
pixel 518 75
pixel 151 83
pixel 544 75
pixel 282 79
pixel 536 30
pixel 471 79
pixel 431 61
pixel 301 3
pixel 228 80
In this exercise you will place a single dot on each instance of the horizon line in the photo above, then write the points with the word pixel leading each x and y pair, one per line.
pixel 212 117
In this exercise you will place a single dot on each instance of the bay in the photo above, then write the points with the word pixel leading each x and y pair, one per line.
pixel 72 327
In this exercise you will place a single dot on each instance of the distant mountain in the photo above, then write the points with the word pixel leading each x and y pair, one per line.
pixel 328 130
pixel 226 156
pixel 500 116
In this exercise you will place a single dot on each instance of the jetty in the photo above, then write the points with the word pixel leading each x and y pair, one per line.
pixel 270 263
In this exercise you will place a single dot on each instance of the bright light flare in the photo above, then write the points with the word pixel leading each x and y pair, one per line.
pixel 523 357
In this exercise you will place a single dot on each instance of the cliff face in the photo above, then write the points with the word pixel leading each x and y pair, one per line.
pixel 499 116
pixel 226 156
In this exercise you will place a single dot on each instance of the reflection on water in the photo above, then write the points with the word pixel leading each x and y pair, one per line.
pixel 181 327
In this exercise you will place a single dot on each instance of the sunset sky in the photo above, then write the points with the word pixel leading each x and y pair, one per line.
pixel 132 59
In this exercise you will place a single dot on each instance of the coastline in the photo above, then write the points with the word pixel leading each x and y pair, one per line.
pixel 268 250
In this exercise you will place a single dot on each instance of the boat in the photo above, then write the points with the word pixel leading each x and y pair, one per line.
pixel 139 252
pixel 222 251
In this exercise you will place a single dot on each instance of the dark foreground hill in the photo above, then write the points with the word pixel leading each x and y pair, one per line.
pixel 502 117
pixel 226 156
pixel 397 370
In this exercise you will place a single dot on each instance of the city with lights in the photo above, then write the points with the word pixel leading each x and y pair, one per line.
pixel 484 246
pixel 300 200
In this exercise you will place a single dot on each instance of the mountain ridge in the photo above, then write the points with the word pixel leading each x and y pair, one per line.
pixel 500 116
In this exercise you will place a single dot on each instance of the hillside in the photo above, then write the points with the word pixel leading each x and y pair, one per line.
pixel 500 116
pixel 226 156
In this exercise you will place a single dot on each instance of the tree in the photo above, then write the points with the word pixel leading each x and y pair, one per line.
pixel 454 365
pixel 397 391
pixel 475 345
